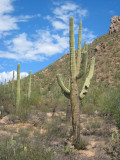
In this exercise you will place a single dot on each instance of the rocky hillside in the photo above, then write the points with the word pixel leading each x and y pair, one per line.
pixel 106 50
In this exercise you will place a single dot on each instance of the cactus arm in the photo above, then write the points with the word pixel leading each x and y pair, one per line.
pixel 79 50
pixel 87 81
pixel 83 64
pixel 61 84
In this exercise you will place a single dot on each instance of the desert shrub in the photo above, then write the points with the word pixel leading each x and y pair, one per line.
pixel 93 124
pixel 68 149
pixel 82 144
pixel 56 129
pixel 35 99
pixel 111 104
pixel 12 149
pixel 113 147
pixel 24 108
pixel 117 75
pixel 106 100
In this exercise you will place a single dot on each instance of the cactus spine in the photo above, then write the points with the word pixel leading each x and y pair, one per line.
pixel 18 88
pixel 75 66
pixel 13 81
pixel 29 89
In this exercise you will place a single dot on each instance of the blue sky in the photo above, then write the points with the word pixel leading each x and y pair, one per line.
pixel 35 33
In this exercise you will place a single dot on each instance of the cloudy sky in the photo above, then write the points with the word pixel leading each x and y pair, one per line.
pixel 35 33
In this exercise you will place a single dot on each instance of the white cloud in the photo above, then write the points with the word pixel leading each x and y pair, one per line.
pixel 64 11
pixel 6 6
pixel 61 15
pixel 20 44
pixel 9 22
pixel 25 18
pixel 88 36
pixel 44 45
pixel 59 25
pixel 9 75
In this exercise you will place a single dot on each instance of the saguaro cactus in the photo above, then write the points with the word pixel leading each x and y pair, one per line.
pixel 13 81
pixel 29 87
pixel 75 66
pixel 5 86
pixel 18 88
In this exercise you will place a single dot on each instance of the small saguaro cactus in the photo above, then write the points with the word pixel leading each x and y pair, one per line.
pixel 5 86
pixel 29 87
pixel 13 81
pixel 76 64
pixel 18 88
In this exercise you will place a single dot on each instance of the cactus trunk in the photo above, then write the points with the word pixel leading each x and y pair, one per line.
pixel 73 87
pixel 29 89
pixel 13 81
pixel 5 86
pixel 18 88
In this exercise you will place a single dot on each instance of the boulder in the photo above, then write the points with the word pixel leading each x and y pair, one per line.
pixel 115 24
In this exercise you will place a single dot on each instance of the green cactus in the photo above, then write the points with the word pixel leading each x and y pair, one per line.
pixel 29 89
pixel 18 88
pixel 13 81
pixel 33 81
pixel 77 70
pixel 5 86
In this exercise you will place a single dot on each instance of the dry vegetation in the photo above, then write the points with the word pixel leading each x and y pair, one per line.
pixel 40 131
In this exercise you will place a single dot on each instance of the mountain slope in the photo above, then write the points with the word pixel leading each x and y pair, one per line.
pixel 106 50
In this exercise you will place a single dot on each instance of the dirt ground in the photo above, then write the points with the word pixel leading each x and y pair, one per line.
pixel 95 129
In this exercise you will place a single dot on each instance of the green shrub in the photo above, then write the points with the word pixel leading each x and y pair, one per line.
pixel 82 144
pixel 12 149
pixel 35 99
pixel 114 146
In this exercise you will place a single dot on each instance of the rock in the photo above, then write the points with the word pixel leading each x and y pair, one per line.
pixel 115 24
pixel 101 46
pixel 97 48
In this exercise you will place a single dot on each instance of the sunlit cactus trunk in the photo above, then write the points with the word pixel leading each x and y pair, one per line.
pixel 77 70
pixel 29 87
pixel 13 81
pixel 5 86
pixel 18 88
pixel 73 87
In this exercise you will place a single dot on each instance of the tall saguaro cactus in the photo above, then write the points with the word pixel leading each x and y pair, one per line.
pixel 13 81
pixel 5 86
pixel 77 70
pixel 18 88
pixel 29 87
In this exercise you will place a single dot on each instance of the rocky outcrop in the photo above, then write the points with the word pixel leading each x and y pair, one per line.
pixel 115 24
pixel 101 46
